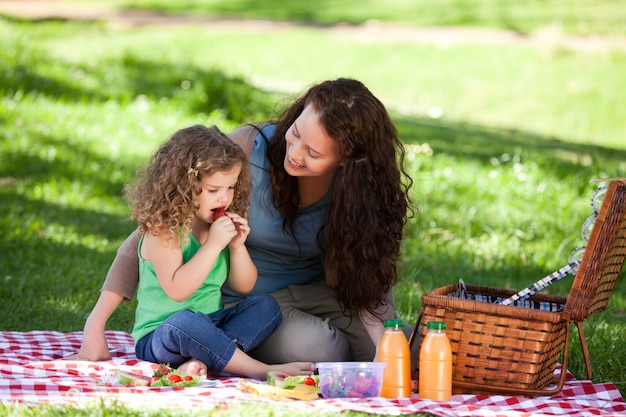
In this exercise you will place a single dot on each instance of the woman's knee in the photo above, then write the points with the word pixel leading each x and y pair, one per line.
pixel 323 342
pixel 304 338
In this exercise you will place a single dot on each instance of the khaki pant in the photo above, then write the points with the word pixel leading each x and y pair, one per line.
pixel 315 329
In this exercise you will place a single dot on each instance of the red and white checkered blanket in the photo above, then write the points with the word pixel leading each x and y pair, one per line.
pixel 32 371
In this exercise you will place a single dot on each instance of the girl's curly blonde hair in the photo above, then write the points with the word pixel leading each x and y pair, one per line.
pixel 163 195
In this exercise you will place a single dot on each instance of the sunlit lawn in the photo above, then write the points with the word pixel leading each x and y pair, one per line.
pixel 503 142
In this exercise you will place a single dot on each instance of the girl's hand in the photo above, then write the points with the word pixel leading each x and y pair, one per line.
pixel 243 230
pixel 222 231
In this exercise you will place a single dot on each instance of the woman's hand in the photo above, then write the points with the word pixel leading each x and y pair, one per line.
pixel 94 345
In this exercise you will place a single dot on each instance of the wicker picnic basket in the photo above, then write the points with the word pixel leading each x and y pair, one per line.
pixel 514 350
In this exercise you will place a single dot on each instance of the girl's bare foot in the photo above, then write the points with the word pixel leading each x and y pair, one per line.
pixel 194 367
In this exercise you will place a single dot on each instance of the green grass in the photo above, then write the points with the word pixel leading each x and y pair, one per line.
pixel 503 142
pixel 106 410
pixel 583 18
pixel 549 91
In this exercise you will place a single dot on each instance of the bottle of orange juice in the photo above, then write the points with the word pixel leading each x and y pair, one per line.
pixel 394 351
pixel 435 364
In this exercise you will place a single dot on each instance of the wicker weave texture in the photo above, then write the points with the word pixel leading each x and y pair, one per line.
pixel 603 259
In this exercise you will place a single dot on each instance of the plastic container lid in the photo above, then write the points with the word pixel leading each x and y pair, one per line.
pixel 394 323
pixel 339 366
pixel 436 325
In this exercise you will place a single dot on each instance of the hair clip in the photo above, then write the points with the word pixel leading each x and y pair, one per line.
pixel 193 171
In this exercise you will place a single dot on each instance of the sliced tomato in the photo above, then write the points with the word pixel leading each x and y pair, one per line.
pixel 174 378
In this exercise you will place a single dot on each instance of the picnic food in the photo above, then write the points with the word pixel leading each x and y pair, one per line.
pixel 164 376
pixel 276 378
pixel 176 379
pixel 271 392
pixel 218 212
pixel 350 379
pixel 131 379
pixel 294 382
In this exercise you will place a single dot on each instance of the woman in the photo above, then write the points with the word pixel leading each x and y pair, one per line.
pixel 329 202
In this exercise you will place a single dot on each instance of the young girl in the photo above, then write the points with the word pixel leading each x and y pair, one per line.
pixel 190 245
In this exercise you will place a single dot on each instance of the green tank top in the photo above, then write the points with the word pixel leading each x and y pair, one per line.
pixel 154 306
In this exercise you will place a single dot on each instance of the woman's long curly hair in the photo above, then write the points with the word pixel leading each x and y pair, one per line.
pixel 361 239
pixel 164 196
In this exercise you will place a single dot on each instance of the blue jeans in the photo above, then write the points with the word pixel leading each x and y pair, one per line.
pixel 213 338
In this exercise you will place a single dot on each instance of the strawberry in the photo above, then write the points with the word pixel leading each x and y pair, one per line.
pixel 309 381
pixel 219 212
pixel 162 370
pixel 174 378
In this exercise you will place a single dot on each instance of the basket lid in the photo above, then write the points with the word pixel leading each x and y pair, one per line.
pixel 603 258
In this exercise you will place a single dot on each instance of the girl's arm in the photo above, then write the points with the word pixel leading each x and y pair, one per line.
pixel 94 345
pixel 243 273
pixel 180 280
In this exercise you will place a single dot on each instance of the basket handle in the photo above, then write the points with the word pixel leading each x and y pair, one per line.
pixel 415 330
pixel 585 350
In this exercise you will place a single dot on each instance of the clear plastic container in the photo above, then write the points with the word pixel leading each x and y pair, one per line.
pixel 350 379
